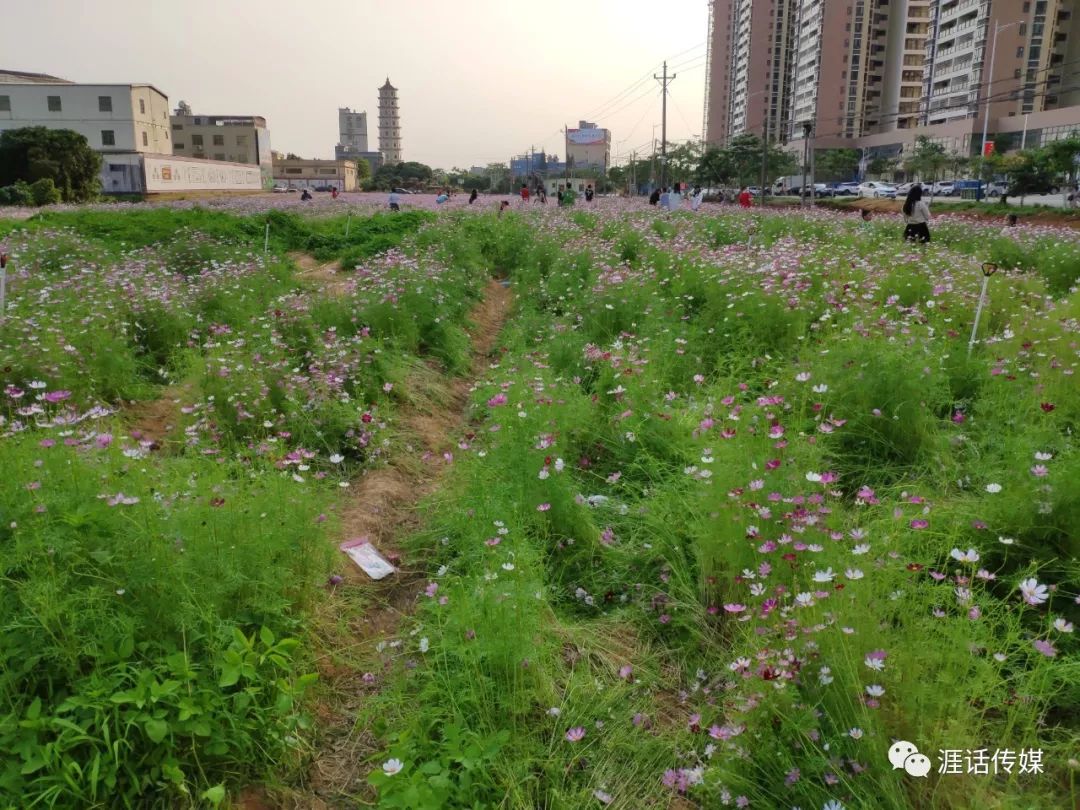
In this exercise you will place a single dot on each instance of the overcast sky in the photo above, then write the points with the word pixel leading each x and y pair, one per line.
pixel 477 79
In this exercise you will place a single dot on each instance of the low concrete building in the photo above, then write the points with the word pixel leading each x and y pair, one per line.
pixel 316 174
pixel 588 146
pixel 229 138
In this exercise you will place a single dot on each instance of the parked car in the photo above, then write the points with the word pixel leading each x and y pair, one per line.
pixel 401 191
pixel 876 189
pixel 942 188
pixel 820 190
pixel 282 188
pixel 995 188
pixel 846 189
pixel 904 188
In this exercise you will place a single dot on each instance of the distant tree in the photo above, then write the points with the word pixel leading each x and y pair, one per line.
pixel 363 170
pixel 929 157
pixel 835 164
pixel 1062 155
pixel 716 167
pixel 1029 172
pixel 883 164
pixel 292 156
pixel 60 155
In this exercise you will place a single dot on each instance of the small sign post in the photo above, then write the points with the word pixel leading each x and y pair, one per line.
pixel 988 269
pixel 266 241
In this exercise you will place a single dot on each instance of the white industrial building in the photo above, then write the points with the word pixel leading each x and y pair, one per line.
pixel 128 124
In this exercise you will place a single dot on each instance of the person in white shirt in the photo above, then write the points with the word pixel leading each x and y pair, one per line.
pixel 674 198
pixel 695 201
pixel 916 216
pixel 394 201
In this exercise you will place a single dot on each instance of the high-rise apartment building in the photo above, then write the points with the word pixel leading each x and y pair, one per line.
pixel 1035 53
pixel 853 68
pixel 749 58
pixel 389 124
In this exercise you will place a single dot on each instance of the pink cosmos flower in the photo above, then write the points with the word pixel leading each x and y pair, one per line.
pixel 575 734
pixel 1045 647
pixel 1040 471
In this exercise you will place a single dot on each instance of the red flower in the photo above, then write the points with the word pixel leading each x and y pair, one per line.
pixel 1047 407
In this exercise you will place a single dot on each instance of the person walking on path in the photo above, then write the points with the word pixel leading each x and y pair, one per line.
pixel 916 216
pixel 746 200
pixel 589 194
pixel 473 196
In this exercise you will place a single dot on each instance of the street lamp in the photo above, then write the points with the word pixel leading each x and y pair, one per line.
pixel 998 28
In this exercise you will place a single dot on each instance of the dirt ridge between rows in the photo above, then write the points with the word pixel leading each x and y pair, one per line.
pixel 383 506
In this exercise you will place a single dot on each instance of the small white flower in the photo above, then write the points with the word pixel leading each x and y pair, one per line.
pixel 862 548
pixel 554 711
pixel 825 676
pixel 813 477
pixel 543 474
pixel 1008 541
pixel 824 576
pixel 336 458
pixel 993 489
pixel 875 690
pixel 392 766
pixel 1063 626
pixel 1043 456
pixel 425 645
pixel 969 556
pixel 855 733
pixel 508 566
pixel 853 573
pixel 820 388
pixel 1033 592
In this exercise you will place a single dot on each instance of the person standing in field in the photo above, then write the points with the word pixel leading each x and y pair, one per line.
pixel 654 198
pixel 745 198
pixel 588 193
pixel 473 196
pixel 916 216
pixel 394 201
pixel 695 201
pixel 524 194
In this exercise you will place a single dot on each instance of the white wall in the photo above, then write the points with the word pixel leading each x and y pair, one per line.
pixel 80 112
pixel 176 173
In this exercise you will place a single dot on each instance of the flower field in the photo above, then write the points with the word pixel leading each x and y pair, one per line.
pixel 727 511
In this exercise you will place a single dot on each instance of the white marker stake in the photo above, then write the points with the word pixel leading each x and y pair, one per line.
pixel 348 222
pixel 266 241
pixel 3 285
pixel 988 269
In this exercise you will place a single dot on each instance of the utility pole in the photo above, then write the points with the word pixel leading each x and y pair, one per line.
pixel 806 158
pixel 664 80
pixel 765 158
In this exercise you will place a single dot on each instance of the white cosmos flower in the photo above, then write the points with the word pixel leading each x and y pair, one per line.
pixel 1033 592
pixel 824 576
pixel 993 489
pixel 853 573
pixel 425 645
pixel 1043 456
pixel 336 458
pixel 969 556
pixel 1063 626
pixel 392 766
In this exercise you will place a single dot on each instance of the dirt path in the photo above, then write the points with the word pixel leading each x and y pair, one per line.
pixel 327 275
pixel 383 506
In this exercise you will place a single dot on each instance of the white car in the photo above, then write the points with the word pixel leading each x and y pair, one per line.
pixel 943 188
pixel 281 188
pixel 875 189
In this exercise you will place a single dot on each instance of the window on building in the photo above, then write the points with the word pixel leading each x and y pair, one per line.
pixel 1019 51
pixel 177 127
pixel 145 140
pixel 108 137
pixel 241 140
pixel 293 171
pixel 219 156
pixel 104 103
pixel 178 146
pixel 196 140
pixel 54 103
pixel 5 103
pixel 219 140
pixel 142 106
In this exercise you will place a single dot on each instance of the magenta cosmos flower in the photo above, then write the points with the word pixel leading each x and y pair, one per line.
pixel 575 734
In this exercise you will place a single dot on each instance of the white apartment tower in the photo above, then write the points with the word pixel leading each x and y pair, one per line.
pixel 352 130
pixel 389 124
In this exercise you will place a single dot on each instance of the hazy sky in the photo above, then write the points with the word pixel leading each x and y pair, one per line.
pixel 477 79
